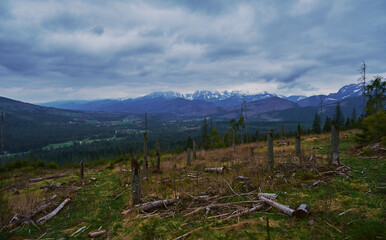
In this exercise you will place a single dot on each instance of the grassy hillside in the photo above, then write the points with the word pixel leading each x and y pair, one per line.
pixel 346 204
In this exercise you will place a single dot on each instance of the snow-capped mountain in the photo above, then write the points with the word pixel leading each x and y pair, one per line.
pixel 159 101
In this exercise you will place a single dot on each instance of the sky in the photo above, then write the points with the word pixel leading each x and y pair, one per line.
pixel 97 49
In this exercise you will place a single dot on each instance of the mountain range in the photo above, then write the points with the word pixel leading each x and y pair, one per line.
pixel 225 104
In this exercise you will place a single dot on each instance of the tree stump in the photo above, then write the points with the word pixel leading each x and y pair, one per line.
pixel 270 159
pixel 136 192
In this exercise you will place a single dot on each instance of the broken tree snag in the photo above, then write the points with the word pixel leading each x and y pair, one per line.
pixel 334 158
pixel 216 169
pixel 157 163
pixel 53 213
pixel 188 157
pixel 82 173
pixel 302 212
pixel 136 193
pixel 251 153
pixel 297 146
pixel 194 150
pixel 286 210
pixel 270 161
pixel 158 204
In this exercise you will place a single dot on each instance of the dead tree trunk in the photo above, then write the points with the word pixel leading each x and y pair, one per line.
pixel 145 165
pixel 270 160
pixel 157 163
pixel 82 173
pixel 188 157
pixel 251 153
pixel 334 158
pixel 297 146
pixel 136 192
pixel 194 150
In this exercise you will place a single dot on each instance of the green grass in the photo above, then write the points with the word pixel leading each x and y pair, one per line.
pixel 363 215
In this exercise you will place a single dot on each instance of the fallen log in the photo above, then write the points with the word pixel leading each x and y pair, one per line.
pixel 46 178
pixel 158 204
pixel 216 169
pixel 35 179
pixel 95 234
pixel 44 219
pixel 56 176
pixel 242 179
pixel 286 210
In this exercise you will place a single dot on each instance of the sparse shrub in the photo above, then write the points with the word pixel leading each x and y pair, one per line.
pixel 367 150
pixel 40 163
pixel 52 165
pixel 148 229
pixel 305 175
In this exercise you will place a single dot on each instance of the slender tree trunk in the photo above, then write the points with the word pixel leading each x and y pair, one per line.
pixel 251 153
pixel 82 173
pixel 297 146
pixel 136 192
pixel 334 158
pixel 194 150
pixel 270 160
pixel 234 139
pixel 188 157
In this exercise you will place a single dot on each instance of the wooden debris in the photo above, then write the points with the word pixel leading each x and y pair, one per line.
pixel 216 169
pixel 44 219
pixel 316 183
pixel 95 234
pixel 93 179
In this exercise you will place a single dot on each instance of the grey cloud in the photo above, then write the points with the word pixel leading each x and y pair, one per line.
pixel 188 44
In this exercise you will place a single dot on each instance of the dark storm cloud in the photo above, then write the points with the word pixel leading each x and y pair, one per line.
pixel 98 49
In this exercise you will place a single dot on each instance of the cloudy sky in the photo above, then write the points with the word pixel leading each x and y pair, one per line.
pixel 57 50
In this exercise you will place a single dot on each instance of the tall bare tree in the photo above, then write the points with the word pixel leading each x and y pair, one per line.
pixel 362 79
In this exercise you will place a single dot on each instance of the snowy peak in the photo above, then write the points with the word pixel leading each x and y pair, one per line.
pixel 166 95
